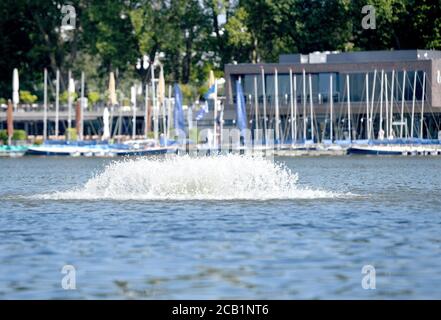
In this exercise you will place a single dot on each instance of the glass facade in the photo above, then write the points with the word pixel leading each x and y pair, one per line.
pixel 382 117
pixel 320 83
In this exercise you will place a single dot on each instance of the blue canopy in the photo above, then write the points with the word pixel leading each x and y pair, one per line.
pixel 241 109
pixel 178 111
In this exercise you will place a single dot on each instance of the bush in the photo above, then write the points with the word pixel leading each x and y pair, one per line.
pixel 151 135
pixel 193 135
pixel 27 97
pixel 71 134
pixel 189 93
pixel 19 135
pixel 93 97
pixel 4 136
pixel 126 102
pixel 65 95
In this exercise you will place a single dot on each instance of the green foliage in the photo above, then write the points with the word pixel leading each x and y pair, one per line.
pixel 193 135
pixel 150 135
pixel 27 97
pixel 71 134
pixel 126 102
pixel 65 96
pixel 3 101
pixel 93 97
pixel 189 39
pixel 239 35
pixel 19 135
pixel 189 93
pixel 4 136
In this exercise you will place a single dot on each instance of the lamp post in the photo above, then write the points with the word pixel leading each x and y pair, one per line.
pixel 143 66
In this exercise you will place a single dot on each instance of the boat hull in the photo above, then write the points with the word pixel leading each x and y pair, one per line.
pixel 140 153
pixel 93 152
pixel 35 152
pixel 374 151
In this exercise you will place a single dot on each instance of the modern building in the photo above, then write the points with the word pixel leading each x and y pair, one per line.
pixel 371 94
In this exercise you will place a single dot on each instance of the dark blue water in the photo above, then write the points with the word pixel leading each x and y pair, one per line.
pixel 276 249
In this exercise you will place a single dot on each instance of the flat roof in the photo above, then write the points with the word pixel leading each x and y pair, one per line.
pixel 360 56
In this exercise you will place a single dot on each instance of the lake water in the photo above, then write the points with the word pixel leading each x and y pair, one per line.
pixel 225 228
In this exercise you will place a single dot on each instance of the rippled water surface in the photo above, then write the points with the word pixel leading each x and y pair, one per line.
pixel 227 228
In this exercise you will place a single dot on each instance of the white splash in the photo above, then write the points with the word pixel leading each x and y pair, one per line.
pixel 228 177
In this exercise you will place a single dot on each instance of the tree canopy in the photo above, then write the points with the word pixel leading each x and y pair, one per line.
pixel 192 37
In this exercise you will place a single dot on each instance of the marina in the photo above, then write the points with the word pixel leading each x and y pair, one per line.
pixel 218 151
pixel 321 105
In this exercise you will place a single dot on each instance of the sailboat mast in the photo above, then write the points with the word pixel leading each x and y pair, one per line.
pixel 155 110
pixel 164 117
pixel 295 109
pixel 311 107
pixel 422 106
pixel 367 107
pixel 45 106
pixel 169 110
pixel 69 101
pixel 133 94
pixel 392 93
pixel 146 111
pixel 265 128
pixel 371 120
pixel 304 105
pixel 386 106
pixel 331 104
pixel 215 115
pixel 256 104
pixel 412 121
pixel 291 103
pixel 82 108
pixel 349 108
pixel 276 101
pixel 57 103
pixel 381 132
pixel 402 104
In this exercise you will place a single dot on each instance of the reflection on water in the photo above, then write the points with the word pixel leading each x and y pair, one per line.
pixel 292 247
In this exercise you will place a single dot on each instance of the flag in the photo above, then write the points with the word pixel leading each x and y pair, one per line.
pixel 211 93
pixel 202 112
pixel 178 114
pixel 241 109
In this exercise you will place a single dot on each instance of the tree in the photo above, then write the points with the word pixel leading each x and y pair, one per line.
pixel 386 35
pixel 194 36
pixel 108 33
pixel 264 29
pixel 177 28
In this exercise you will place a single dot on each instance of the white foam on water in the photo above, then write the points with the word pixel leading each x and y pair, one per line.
pixel 226 177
